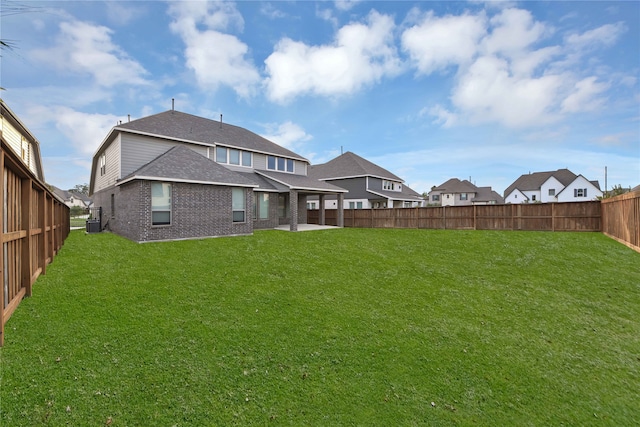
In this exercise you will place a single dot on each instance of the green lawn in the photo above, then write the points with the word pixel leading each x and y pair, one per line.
pixel 336 327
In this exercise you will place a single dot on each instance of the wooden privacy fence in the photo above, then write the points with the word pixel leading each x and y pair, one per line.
pixel 34 226
pixel 621 219
pixel 579 216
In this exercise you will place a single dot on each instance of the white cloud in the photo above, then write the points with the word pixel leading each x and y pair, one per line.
pixel 513 32
pixel 436 43
pixel 442 116
pixel 585 96
pixel 287 134
pixel 362 53
pixel 488 92
pixel 88 49
pixel 605 35
pixel 503 72
pixel 210 49
pixel 85 131
pixel 345 5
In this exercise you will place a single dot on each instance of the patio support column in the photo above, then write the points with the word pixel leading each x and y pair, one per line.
pixel 340 209
pixel 321 217
pixel 293 210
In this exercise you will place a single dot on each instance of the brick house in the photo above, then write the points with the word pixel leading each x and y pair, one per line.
pixel 174 176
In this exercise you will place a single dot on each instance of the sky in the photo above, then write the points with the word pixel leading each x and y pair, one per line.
pixel 486 91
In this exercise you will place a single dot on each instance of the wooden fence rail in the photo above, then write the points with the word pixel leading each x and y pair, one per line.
pixel 579 216
pixel 621 219
pixel 34 226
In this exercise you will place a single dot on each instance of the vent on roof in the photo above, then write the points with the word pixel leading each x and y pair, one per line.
pixel 173 104
pixel 220 120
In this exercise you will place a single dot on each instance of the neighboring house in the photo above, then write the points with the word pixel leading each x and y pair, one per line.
pixel 554 186
pixel 20 140
pixel 462 193
pixel 73 198
pixel 174 175
pixel 369 185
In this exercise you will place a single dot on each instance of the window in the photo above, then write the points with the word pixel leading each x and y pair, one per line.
pixel 552 192
pixel 234 156
pixel 579 192
pixel 246 158
pixel 238 204
pixel 358 205
pixel 221 155
pixel 311 205
pixel 352 205
pixel 261 206
pixel 280 164
pixel 463 196
pixel 25 150
pixel 160 203
pixel 103 164
pixel 283 206
pixel 533 197
pixel 435 198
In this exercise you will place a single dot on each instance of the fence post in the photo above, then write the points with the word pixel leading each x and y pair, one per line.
pixel 2 196
pixel 26 264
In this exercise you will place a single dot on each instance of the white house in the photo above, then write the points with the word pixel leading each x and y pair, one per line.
pixel 553 186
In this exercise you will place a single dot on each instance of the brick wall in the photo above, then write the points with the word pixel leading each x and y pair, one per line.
pixel 197 211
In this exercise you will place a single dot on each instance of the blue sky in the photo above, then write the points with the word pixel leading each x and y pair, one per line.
pixel 428 90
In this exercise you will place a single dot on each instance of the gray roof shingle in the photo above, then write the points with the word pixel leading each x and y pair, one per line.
pixel 534 181
pixel 454 185
pixel 301 182
pixel 186 127
pixel 350 165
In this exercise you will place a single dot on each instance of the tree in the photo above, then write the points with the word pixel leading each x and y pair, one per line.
pixel 81 188
pixel 615 191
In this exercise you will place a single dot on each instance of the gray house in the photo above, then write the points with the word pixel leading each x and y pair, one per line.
pixel 454 192
pixel 174 175
pixel 370 186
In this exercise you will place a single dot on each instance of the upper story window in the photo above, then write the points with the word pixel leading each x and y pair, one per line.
pixel 579 192
pixel 25 150
pixel 552 191
pixel 463 196
pixel 233 156
pixel 391 186
pixel 103 164
pixel 279 164
pixel 435 198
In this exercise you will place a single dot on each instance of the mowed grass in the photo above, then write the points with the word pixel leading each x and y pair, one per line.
pixel 335 327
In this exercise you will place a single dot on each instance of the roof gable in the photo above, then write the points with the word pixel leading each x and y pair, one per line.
pixel 350 165
pixel 174 124
pixel 181 164
pixel 534 181
pixel 454 185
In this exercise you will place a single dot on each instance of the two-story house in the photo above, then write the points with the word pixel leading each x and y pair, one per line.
pixel 454 192
pixel 174 175
pixel 20 140
pixel 552 186
pixel 370 186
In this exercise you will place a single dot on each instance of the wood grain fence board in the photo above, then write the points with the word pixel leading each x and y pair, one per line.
pixel 34 227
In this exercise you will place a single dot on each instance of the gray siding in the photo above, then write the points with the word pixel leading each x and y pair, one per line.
pixel 138 150
pixel 112 173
